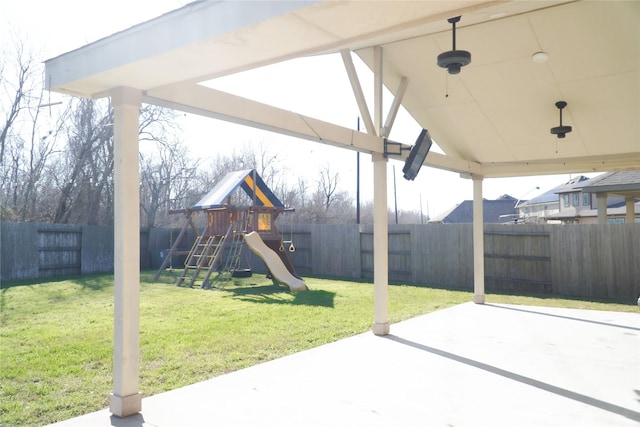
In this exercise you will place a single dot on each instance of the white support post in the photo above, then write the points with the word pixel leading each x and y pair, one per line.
pixel 478 242
pixel 630 214
pixel 380 218
pixel 380 246
pixel 126 398
pixel 601 199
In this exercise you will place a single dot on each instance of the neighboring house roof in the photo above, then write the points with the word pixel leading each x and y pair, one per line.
pixel 623 184
pixel 494 211
pixel 571 186
pixel 551 196
pixel 547 197
pixel 249 181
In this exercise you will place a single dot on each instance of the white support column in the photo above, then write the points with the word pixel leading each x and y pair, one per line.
pixel 126 399
pixel 601 199
pixel 630 213
pixel 380 246
pixel 478 241
pixel 380 218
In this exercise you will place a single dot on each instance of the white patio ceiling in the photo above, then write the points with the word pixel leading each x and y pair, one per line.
pixel 496 120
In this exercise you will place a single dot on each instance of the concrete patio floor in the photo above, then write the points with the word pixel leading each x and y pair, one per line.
pixel 468 365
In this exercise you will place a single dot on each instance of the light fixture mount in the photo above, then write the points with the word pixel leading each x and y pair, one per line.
pixel 540 57
pixel 454 59
pixel 561 131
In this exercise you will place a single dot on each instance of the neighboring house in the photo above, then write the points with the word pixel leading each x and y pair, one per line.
pixel 542 208
pixel 579 201
pixel 574 202
pixel 501 210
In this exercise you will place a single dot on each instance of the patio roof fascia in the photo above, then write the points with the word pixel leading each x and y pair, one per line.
pixel 78 72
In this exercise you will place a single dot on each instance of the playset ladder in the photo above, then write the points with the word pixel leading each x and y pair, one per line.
pixel 239 228
pixel 203 254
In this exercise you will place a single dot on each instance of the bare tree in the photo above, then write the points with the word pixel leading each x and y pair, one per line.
pixel 84 173
pixel 158 125
pixel 268 165
pixel 88 162
pixel 17 90
pixel 327 186
pixel 168 180
pixel 26 143
pixel 327 204
pixel 42 146
pixel 291 196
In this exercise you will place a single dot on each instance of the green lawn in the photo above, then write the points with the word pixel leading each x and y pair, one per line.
pixel 56 337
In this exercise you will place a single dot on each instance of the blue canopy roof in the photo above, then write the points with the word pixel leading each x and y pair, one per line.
pixel 249 181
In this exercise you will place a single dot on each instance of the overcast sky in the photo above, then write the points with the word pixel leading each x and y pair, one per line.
pixel 315 86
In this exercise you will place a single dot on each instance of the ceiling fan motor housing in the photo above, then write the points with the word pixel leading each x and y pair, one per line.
pixel 453 60
pixel 561 131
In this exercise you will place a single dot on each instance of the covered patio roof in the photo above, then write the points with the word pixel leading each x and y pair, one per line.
pixel 493 119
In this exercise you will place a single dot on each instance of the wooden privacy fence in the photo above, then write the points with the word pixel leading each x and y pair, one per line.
pixel 588 261
pixel 30 250
pixel 518 259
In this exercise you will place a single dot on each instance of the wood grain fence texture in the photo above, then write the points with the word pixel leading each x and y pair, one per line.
pixel 601 261
pixel 59 251
pixel 588 261
pixel 582 260
pixel 518 258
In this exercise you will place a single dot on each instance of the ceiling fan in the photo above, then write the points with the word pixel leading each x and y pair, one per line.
pixel 454 59
pixel 561 131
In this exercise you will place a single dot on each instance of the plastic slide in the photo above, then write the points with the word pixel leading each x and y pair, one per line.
pixel 274 263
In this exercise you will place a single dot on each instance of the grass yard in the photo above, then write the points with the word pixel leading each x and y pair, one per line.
pixel 56 337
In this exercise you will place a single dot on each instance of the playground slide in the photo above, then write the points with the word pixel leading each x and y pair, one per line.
pixel 274 263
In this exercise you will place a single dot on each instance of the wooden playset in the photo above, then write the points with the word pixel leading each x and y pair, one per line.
pixel 216 253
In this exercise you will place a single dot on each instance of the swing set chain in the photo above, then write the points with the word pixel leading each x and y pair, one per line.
pixel 290 242
pixel 291 247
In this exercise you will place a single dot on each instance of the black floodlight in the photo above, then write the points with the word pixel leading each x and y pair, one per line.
pixel 561 130
pixel 417 155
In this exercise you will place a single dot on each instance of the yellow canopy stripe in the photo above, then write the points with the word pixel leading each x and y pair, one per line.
pixel 259 194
